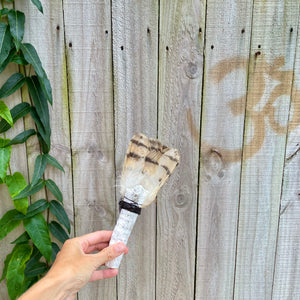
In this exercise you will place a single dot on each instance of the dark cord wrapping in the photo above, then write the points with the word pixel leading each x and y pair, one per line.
pixel 130 207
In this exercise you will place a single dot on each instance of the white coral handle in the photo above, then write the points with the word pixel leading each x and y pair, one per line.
pixel 121 233
pixel 126 221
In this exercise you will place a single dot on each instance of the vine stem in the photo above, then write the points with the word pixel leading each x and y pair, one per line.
pixel 23 71
pixel 8 162
pixel 10 172
pixel 2 3
pixel 29 71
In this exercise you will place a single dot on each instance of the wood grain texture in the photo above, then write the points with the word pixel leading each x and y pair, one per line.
pixel 89 71
pixel 135 48
pixel 227 23
pixel 272 52
pixel 180 85
pixel 287 267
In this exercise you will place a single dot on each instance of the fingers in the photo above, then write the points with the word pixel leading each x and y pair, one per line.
pixel 94 238
pixel 97 247
pixel 110 253
pixel 102 274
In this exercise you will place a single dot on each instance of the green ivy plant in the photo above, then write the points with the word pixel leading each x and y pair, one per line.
pixel 34 251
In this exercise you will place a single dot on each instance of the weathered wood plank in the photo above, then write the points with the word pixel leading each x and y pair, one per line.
pixel 271 63
pixel 89 62
pixel 227 40
pixel 287 269
pixel 135 42
pixel 180 85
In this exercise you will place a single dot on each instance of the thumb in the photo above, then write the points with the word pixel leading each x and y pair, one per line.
pixel 111 252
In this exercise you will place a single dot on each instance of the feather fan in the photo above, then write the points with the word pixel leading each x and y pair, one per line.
pixel 148 165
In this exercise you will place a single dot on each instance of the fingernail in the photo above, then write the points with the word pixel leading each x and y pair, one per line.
pixel 119 248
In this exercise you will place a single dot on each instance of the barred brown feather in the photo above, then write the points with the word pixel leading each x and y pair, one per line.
pixel 147 163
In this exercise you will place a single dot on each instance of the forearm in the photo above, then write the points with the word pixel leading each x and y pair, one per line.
pixel 48 288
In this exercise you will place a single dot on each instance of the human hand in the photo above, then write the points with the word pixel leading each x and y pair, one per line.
pixel 75 266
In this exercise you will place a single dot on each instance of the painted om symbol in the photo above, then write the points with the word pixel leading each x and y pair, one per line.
pixel 256 90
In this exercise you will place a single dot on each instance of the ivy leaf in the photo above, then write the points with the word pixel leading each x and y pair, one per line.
pixel 13 83
pixel 37 229
pixel 8 59
pixel 19 59
pixel 32 57
pixel 43 136
pixel 4 11
pixel 39 206
pixel 40 102
pixel 34 258
pixel 51 185
pixel 38 269
pixel 16 268
pixel 20 110
pixel 15 184
pixel 6 262
pixel 39 169
pixel 6 42
pixel 17 112
pixel 35 208
pixel 58 231
pixel 55 250
pixel 30 190
pixel 37 121
pixel 59 212
pixel 38 4
pixel 23 238
pixel 28 282
pixel 22 137
pixel 9 222
pixel 4 157
pixel 52 161
pixel 45 147
pixel 5 113
pixel 16 20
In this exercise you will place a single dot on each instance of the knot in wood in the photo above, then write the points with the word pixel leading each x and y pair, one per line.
pixel 180 200
pixel 100 156
pixel 96 154
pixel 98 209
pixel 182 197
pixel 192 71
pixel 213 163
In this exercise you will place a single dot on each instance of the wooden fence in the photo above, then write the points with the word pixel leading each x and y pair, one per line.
pixel 220 81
